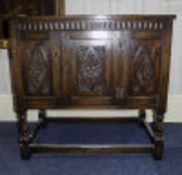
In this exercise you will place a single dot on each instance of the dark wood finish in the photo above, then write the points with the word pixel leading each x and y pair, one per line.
pixel 122 148
pixel 110 62
pixel 23 135
pixel 108 119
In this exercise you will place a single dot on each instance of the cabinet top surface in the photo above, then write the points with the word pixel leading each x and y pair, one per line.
pixel 147 16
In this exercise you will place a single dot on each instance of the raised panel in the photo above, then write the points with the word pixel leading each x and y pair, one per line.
pixel 87 59
pixel 145 67
pixel 95 66
pixel 90 69
pixel 36 66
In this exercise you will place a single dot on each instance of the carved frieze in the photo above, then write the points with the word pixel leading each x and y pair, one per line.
pixel 92 24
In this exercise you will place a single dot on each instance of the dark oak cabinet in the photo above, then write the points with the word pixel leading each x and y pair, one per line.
pixel 117 62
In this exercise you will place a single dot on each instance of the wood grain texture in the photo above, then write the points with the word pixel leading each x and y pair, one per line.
pixel 93 62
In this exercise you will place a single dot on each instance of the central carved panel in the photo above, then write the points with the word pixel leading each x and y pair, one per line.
pixel 90 69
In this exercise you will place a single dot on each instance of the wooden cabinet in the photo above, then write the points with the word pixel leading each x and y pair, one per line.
pixel 92 62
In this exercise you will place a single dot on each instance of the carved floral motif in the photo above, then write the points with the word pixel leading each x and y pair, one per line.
pixel 143 69
pixel 38 69
pixel 90 69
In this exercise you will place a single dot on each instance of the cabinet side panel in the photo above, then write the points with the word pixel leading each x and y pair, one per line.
pixel 165 67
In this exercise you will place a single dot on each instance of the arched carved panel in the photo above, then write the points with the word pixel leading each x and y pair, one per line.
pixel 90 69
pixel 145 62
pixel 38 69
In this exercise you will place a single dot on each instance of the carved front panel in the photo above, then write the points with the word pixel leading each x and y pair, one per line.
pixel 95 66
pixel 145 67
pixel 90 69
pixel 87 66
pixel 36 67
pixel 86 61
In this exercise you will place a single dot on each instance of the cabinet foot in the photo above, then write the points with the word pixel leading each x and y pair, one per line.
pixel 25 152
pixel 158 150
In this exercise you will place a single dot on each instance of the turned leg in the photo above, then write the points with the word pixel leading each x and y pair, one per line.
pixel 23 136
pixel 142 116
pixel 158 127
pixel 42 118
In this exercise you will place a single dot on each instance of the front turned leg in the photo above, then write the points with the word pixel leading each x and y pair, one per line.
pixel 142 116
pixel 24 138
pixel 42 118
pixel 158 126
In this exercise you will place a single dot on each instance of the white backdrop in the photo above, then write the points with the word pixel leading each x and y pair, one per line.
pixel 102 7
